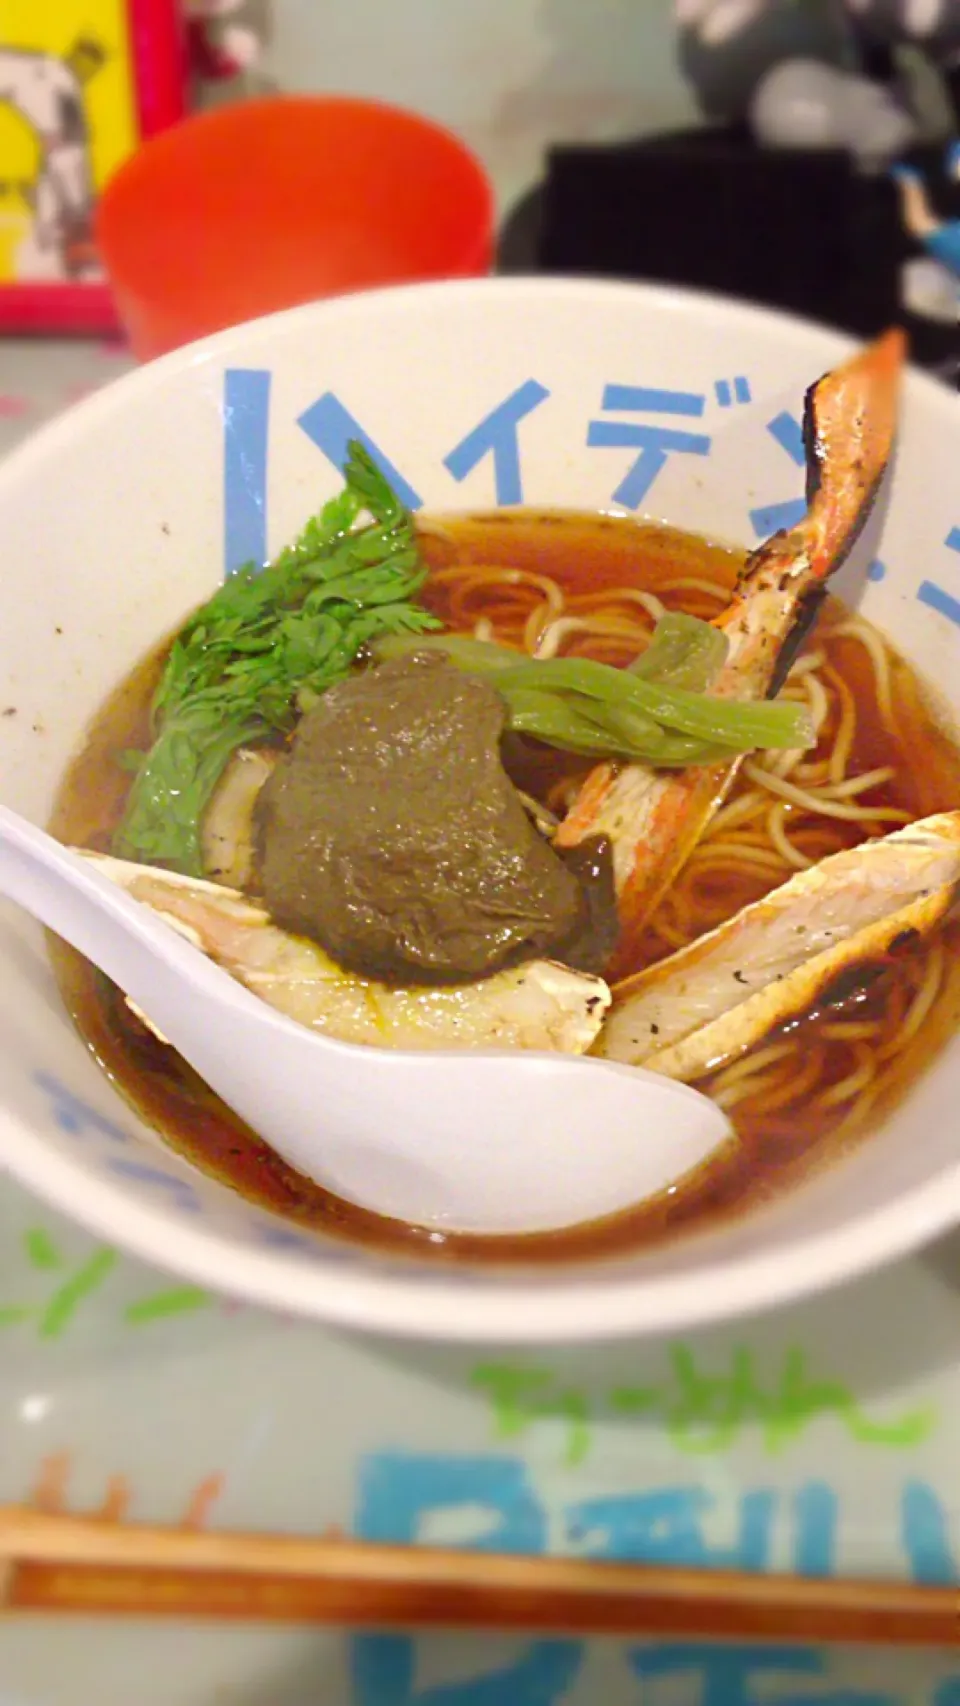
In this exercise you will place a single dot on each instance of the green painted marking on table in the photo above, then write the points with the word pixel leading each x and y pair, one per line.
pixel 179 1300
pixel 706 1413
pixel 702 1414
pixel 521 1396
pixel 68 1297
pixel 41 1251
pixel 54 1316
pixel 13 1317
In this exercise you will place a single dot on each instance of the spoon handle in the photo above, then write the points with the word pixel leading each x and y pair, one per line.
pixel 83 907
pixel 484 1142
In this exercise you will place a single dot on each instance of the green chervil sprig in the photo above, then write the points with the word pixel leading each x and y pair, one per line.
pixel 262 650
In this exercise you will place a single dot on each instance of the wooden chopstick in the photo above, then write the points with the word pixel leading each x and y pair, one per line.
pixel 51 1563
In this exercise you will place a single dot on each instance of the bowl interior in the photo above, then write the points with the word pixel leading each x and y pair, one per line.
pixel 126 513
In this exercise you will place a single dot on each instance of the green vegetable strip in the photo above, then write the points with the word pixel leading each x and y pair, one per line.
pixel 684 652
pixel 739 723
pixel 263 649
pixel 633 716
pixel 566 722
pixel 560 723
pixel 670 751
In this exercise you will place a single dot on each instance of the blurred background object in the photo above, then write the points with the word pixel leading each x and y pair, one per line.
pixel 264 204
pixel 225 45
pixel 511 77
pixel 82 84
pixel 822 182
pixel 774 120
pixel 840 74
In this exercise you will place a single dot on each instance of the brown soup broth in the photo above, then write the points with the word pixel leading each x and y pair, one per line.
pixel 782 1135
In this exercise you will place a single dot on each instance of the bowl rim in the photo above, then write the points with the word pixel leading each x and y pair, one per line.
pixel 566 1306
pixel 433 1304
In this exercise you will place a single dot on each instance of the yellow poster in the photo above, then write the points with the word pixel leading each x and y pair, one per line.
pixel 67 120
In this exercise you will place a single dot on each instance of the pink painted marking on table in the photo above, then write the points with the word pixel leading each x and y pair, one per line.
pixel 233 1306
pixel 83 388
pixel 11 405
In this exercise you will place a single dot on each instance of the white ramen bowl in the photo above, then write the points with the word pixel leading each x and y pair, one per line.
pixel 121 517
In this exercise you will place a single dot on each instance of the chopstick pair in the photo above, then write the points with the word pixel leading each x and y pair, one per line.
pixel 70 1564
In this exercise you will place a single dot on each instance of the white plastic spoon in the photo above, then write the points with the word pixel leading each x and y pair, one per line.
pixel 477 1142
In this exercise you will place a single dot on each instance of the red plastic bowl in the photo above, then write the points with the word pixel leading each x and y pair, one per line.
pixel 269 203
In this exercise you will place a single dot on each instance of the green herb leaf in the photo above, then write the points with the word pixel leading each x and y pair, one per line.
pixel 263 648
